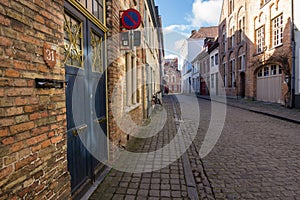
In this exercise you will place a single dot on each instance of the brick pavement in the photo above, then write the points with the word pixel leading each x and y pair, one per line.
pixel 256 157
pixel 174 181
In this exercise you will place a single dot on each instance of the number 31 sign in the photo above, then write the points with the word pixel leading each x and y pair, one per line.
pixel 49 55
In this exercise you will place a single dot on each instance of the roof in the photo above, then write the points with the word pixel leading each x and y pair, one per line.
pixel 204 32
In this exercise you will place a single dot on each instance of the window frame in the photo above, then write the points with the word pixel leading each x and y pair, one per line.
pixel 277 30
pixel 260 39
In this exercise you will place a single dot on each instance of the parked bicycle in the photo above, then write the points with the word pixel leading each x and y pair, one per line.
pixel 155 100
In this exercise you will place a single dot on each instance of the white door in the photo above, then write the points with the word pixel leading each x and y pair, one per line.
pixel 269 83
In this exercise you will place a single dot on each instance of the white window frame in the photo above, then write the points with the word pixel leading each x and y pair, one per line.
pixel 277 30
pixel 260 39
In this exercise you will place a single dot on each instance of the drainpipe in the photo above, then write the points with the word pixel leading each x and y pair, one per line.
pixel 292 102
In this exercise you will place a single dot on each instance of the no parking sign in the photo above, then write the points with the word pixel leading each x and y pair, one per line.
pixel 131 19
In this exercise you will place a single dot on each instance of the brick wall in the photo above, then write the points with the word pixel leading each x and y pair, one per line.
pixel 268 12
pixel 116 71
pixel 33 156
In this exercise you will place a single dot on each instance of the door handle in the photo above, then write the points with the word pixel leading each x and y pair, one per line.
pixel 101 120
pixel 79 130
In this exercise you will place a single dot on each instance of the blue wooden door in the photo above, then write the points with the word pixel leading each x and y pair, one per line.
pixel 85 97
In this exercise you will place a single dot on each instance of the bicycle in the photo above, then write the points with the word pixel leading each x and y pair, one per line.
pixel 156 103
pixel 155 100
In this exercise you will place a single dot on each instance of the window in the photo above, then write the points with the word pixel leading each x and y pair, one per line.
pixel 73 44
pixel 260 39
pixel 212 61
pixel 95 7
pixel 212 81
pixel 231 42
pixel 279 70
pixel 231 6
pixel 259 73
pixel 217 59
pixel 266 71
pixel 242 63
pixel 174 79
pixel 167 78
pixel 273 70
pixel 241 30
pixel 131 80
pixel 224 35
pixel 207 62
pixel 232 72
pixel 224 75
pixel 277 26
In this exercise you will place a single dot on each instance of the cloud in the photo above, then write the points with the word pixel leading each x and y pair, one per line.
pixel 205 13
pixel 176 27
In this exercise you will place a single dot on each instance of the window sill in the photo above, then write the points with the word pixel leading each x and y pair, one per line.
pixel 275 47
pixel 257 54
pixel 129 109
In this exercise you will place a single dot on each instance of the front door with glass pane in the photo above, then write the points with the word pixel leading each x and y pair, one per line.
pixel 85 96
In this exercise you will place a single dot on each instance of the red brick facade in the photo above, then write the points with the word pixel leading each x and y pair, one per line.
pixel 33 158
pixel 240 54
pixel 172 75
pixel 33 131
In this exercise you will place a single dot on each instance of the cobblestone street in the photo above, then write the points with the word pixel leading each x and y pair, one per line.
pixel 256 157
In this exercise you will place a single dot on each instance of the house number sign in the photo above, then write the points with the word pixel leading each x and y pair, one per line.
pixel 49 55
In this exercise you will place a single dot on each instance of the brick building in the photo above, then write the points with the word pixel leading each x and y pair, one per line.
pixel 256 49
pixel 130 70
pixel 33 156
pixel 172 75
pixel 61 62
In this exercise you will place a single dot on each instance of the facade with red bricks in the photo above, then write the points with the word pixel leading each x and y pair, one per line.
pixel 172 75
pixel 256 49
pixel 133 73
pixel 33 157
pixel 47 47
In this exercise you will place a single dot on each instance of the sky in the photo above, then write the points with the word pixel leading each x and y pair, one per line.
pixel 180 17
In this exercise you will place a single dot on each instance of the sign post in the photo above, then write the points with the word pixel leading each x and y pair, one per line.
pixel 130 19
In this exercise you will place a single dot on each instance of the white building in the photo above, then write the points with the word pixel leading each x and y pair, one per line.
pixel 194 46
pixel 214 68
pixel 297 51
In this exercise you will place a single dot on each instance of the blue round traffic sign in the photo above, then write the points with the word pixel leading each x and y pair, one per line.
pixel 131 19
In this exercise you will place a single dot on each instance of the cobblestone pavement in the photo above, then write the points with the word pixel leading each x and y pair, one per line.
pixel 174 181
pixel 271 109
pixel 256 157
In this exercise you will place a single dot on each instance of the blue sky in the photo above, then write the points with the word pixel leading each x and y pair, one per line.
pixel 180 17
pixel 174 12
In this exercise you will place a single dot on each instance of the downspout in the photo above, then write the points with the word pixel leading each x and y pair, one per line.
pixel 292 102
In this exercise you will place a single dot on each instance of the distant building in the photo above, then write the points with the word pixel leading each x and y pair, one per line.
pixel 194 46
pixel 172 75
pixel 213 51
